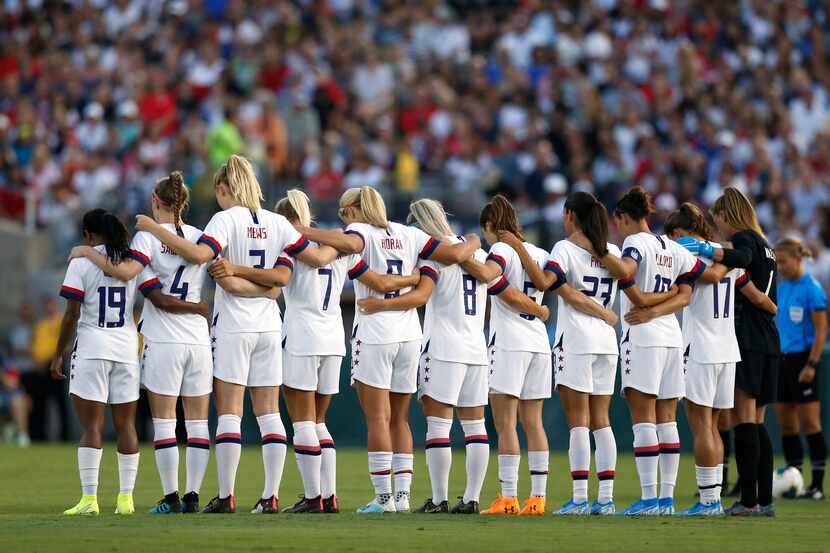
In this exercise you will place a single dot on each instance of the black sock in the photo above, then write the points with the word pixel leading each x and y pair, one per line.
pixel 726 438
pixel 793 450
pixel 747 453
pixel 818 457
pixel 766 465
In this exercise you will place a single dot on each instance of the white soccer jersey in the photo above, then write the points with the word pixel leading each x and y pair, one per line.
pixel 313 323
pixel 709 319
pixel 576 331
pixel 454 318
pixel 106 329
pixel 509 330
pixel 393 250
pixel 254 240
pixel 661 262
pixel 165 270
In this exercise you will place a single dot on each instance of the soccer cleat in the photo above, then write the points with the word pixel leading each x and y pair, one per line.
pixel 266 506
pixel 598 508
pixel 502 506
pixel 402 502
pixel 168 505
pixel 701 510
pixel 813 493
pixel 570 508
pixel 764 511
pixel 666 506
pixel 468 508
pixel 432 508
pixel 642 507
pixel 306 505
pixel 124 504
pixel 330 505
pixel 377 506
pixel 88 505
pixel 221 505
pixel 190 502
pixel 534 506
pixel 738 509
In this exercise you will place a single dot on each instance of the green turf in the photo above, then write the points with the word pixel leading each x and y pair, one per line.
pixel 36 484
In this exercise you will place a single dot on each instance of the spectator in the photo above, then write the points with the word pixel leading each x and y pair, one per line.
pixel 44 389
pixel 14 404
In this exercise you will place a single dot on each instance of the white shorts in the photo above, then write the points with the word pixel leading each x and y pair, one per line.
pixel 177 369
pixel 589 373
pixel 392 367
pixel 104 381
pixel 710 384
pixel 657 371
pixel 456 384
pixel 248 358
pixel 312 373
pixel 521 374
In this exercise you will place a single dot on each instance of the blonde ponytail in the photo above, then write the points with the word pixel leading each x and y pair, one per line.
pixel 736 209
pixel 295 207
pixel 794 247
pixel 239 176
pixel 369 202
pixel 430 216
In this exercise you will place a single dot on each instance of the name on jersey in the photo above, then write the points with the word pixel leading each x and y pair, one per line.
pixel 391 244
pixel 595 264
pixel 664 260
pixel 770 253
pixel 259 233
pixel 165 249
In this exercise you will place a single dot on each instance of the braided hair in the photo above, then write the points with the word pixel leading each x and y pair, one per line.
pixel 174 195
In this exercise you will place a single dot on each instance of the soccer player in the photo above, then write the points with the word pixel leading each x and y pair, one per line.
pixel 520 358
pixel 453 366
pixel 802 322
pixel 246 330
pixel 386 345
pixel 710 371
pixel 651 346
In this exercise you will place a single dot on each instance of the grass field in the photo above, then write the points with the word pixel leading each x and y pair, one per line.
pixel 36 484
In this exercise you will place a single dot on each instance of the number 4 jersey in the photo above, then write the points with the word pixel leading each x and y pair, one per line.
pixel 106 329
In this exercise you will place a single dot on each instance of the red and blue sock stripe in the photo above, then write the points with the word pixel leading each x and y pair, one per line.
pixel 669 449
pixel 307 450
pixel 437 442
pixel 198 443
pixel 605 475
pixel 165 443
pixel 229 438
pixel 579 474
pixel 269 439
pixel 476 439
pixel 647 451
pixel 327 444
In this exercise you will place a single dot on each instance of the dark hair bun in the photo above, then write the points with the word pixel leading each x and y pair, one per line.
pixel 636 203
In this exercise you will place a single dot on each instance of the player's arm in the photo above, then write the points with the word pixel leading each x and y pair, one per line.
pixel 125 271
pixel 714 274
pixel 388 283
pixel 317 257
pixel 755 296
pixel 280 275
pixel 648 299
pixel 482 272
pixel 246 289
pixel 645 314
pixel 416 297
pixel 542 280
pixel 451 254
pixel 69 325
pixel 344 242
pixel 196 253
pixel 584 304
pixel 819 318
pixel 519 302
pixel 172 304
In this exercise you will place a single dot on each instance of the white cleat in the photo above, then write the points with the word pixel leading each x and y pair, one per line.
pixel 402 502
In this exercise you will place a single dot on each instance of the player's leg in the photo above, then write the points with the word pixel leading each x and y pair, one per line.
pixel 669 458
pixel 328 455
pixel 91 417
pixel 505 416
pixel 705 453
pixel 747 439
pixel 477 448
pixel 788 421
pixel 606 453
pixel 809 414
pixel 724 426
pixel 577 413
pixel 642 407
pixel 265 402
pixel 302 411
pixel 402 458
pixel 198 448
pixel 229 398
pixel 530 416
pixel 123 419
pixel 438 453
pixel 163 410
pixel 377 411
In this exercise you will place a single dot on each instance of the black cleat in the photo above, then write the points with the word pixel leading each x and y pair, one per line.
pixel 266 506
pixel 168 505
pixel 432 508
pixel 330 505
pixel 190 502
pixel 306 505
pixel 221 505
pixel 461 508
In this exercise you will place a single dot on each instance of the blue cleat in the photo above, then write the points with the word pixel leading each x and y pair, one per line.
pixel 643 507
pixel 700 510
pixel 603 508
pixel 666 506
pixel 376 507
pixel 573 509
pixel 169 505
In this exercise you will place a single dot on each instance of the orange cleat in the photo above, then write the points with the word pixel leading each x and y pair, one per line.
pixel 535 505
pixel 503 506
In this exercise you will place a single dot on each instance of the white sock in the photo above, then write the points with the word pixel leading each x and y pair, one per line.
pixel 328 462
pixel 719 482
pixel 307 453
pixel 167 454
pixel 579 455
pixel 439 457
pixel 509 475
pixel 707 483
pixel 198 454
pixel 606 462
pixel 646 450
pixel 403 467
pixel 228 450
pixel 669 440
pixel 380 472
pixel 537 462
pixel 89 464
pixel 127 471
pixel 477 447
pixel 273 452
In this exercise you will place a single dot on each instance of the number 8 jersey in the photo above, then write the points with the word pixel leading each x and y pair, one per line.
pixel 106 329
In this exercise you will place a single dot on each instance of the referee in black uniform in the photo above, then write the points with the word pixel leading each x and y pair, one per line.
pixel 756 374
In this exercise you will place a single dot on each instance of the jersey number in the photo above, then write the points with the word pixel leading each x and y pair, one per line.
pixel 595 283
pixel 326 272
pixel 468 283
pixel 179 287
pixel 528 290
pixel 727 297
pixel 661 284
pixel 114 297
pixel 393 267
pixel 260 255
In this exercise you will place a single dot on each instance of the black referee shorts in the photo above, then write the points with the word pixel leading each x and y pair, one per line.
pixel 790 390
pixel 757 375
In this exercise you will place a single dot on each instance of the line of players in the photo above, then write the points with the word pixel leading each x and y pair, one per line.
pixel 254 253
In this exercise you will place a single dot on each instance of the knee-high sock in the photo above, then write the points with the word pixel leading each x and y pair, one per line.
pixel 197 454
pixel 127 471
pixel 274 445
pixel 793 450
pixel 439 457
pixel 669 460
pixel 707 484
pixel 328 461
pixel 646 452
pixel 766 465
pixel 537 462
pixel 228 450
pixel 606 461
pixel 89 464
pixel 403 468
pixel 818 458
pixel 167 454
pixel 509 475
pixel 477 448
pixel 380 472
pixel 307 452
pixel 579 455
pixel 747 454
